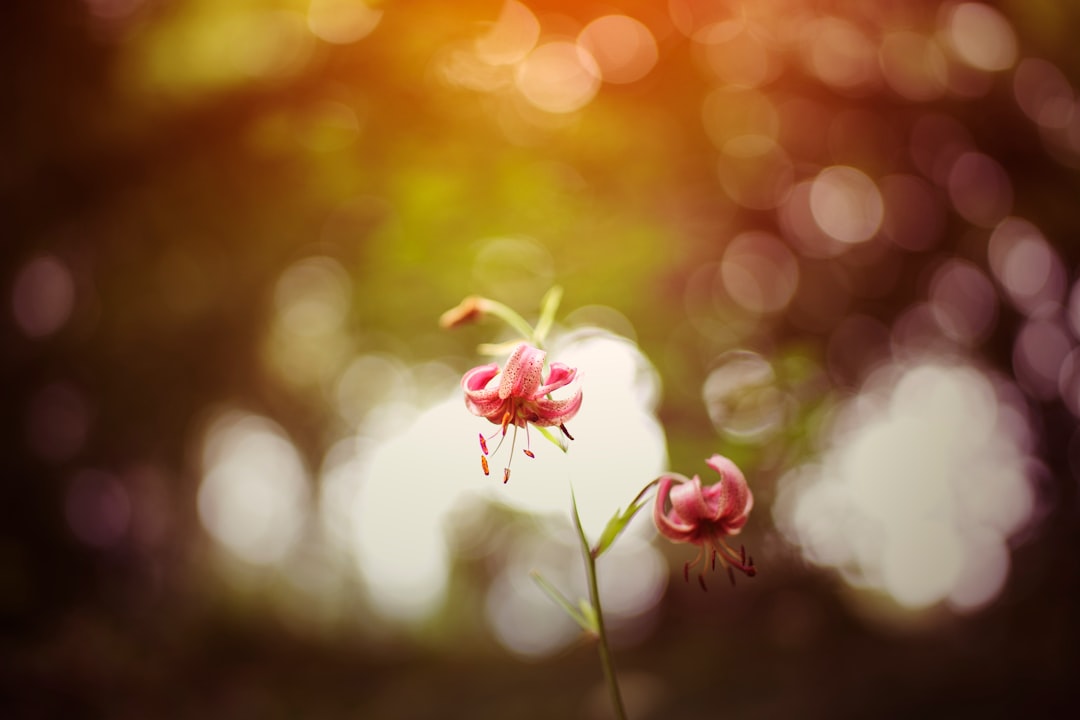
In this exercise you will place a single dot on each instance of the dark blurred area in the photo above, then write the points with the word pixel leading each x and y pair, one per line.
pixel 802 212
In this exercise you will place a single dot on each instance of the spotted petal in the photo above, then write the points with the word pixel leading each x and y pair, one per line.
pixel 479 398
pixel 668 521
pixel 521 376
pixel 556 412
pixel 561 375
pixel 732 497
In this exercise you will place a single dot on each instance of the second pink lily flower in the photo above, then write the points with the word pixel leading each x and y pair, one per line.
pixel 705 515
pixel 519 395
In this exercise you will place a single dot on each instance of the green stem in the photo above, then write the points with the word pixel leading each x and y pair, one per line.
pixel 606 660
pixel 511 318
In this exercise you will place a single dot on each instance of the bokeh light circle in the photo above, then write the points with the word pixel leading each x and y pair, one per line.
pixel 838 52
pixel 558 77
pixel 980 36
pixel 1044 93
pixel 254 494
pixel 624 49
pixel 1029 270
pixel 511 37
pixel 342 21
pixel 964 301
pixel 1039 352
pixel 846 204
pixel 43 296
pixel 742 397
pixel 759 272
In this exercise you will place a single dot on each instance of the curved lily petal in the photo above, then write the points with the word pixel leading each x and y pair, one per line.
pixel 736 498
pixel 669 523
pixel 560 376
pixel 556 412
pixel 479 377
pixel 480 399
pixel 491 408
pixel 692 502
pixel 521 376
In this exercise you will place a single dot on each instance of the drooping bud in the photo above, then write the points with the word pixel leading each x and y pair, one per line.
pixel 468 310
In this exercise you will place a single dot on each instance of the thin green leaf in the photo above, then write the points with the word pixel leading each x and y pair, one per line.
pixel 585 618
pixel 511 318
pixel 554 439
pixel 589 613
pixel 619 521
pixel 577 519
pixel 548 307
pixel 614 528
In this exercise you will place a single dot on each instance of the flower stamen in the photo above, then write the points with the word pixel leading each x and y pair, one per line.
pixel 528 443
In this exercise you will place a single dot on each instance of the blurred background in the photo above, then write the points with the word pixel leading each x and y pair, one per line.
pixel 832 239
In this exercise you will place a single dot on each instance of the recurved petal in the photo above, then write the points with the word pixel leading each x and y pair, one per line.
pixel 521 376
pixel 561 375
pixel 556 412
pixel 490 406
pixel 688 500
pixel 479 377
pixel 733 496
pixel 479 398
pixel 667 520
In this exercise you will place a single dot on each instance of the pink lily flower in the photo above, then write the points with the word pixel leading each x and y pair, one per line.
pixel 706 515
pixel 518 396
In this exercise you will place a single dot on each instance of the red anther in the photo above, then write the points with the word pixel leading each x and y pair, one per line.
pixel 506 475
pixel 484 464
pixel 714 559
pixel 566 432
pixel 528 452
pixel 742 553
pixel 731 575
pixel 701 580
pixel 483 444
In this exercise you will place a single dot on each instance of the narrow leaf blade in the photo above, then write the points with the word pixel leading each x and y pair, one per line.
pixel 554 439
pixel 615 527
pixel 587 623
